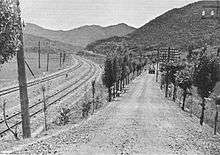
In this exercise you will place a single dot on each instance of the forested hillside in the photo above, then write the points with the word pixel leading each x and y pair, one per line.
pixel 179 27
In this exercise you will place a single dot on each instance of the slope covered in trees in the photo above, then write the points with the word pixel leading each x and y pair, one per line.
pixel 179 27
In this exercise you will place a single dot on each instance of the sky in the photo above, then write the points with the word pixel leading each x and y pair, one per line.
pixel 69 14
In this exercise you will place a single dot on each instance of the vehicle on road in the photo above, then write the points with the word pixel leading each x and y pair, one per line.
pixel 151 70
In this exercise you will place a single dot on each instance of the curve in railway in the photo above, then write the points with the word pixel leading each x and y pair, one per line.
pixel 57 96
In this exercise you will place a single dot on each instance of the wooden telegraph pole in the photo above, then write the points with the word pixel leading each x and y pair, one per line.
pixel 158 59
pixel 60 59
pixel 39 66
pixel 22 81
pixel 166 78
pixel 48 57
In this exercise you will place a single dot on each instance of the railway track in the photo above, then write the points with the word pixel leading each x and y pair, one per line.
pixel 55 97
pixel 41 80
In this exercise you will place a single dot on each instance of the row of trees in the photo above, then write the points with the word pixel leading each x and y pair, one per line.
pixel 201 73
pixel 118 71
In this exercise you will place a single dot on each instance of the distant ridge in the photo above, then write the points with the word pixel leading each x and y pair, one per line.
pixel 80 36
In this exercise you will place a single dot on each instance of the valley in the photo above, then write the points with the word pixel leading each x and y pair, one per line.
pixel 101 77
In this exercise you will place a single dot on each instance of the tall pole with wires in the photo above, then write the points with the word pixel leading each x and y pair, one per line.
pixel 48 56
pixel 39 52
pixel 22 79
pixel 158 59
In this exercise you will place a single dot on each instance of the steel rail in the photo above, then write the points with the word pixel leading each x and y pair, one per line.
pixel 58 99
pixel 32 83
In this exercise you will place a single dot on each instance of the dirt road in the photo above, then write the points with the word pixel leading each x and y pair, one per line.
pixel 140 122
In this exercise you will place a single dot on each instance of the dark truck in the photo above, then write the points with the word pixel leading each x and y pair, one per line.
pixel 151 70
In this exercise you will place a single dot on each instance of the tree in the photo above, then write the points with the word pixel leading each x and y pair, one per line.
pixel 190 52
pixel 134 66
pixel 204 79
pixel 184 80
pixel 11 43
pixel 167 76
pixel 117 73
pixel 124 69
pixel 8 40
pixel 108 76
pixel 172 69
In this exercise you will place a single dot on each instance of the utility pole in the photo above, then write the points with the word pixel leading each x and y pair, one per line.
pixel 48 56
pixel 60 59
pixel 22 80
pixel 48 59
pixel 167 82
pixel 39 55
pixel 158 59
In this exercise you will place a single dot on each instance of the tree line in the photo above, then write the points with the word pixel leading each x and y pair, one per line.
pixel 118 71
pixel 197 70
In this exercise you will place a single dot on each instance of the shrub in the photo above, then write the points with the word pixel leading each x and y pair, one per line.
pixel 86 106
pixel 64 116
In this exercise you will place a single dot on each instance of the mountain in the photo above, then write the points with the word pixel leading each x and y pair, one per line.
pixel 31 45
pixel 180 27
pixel 177 28
pixel 80 36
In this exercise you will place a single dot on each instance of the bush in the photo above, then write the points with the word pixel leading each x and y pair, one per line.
pixel 86 107
pixel 64 116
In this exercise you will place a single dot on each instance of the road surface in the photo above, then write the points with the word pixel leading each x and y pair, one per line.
pixel 142 121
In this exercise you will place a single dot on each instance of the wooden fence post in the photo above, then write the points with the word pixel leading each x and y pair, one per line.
pixel 216 121
pixel 44 107
pixel 93 96
pixel 217 103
